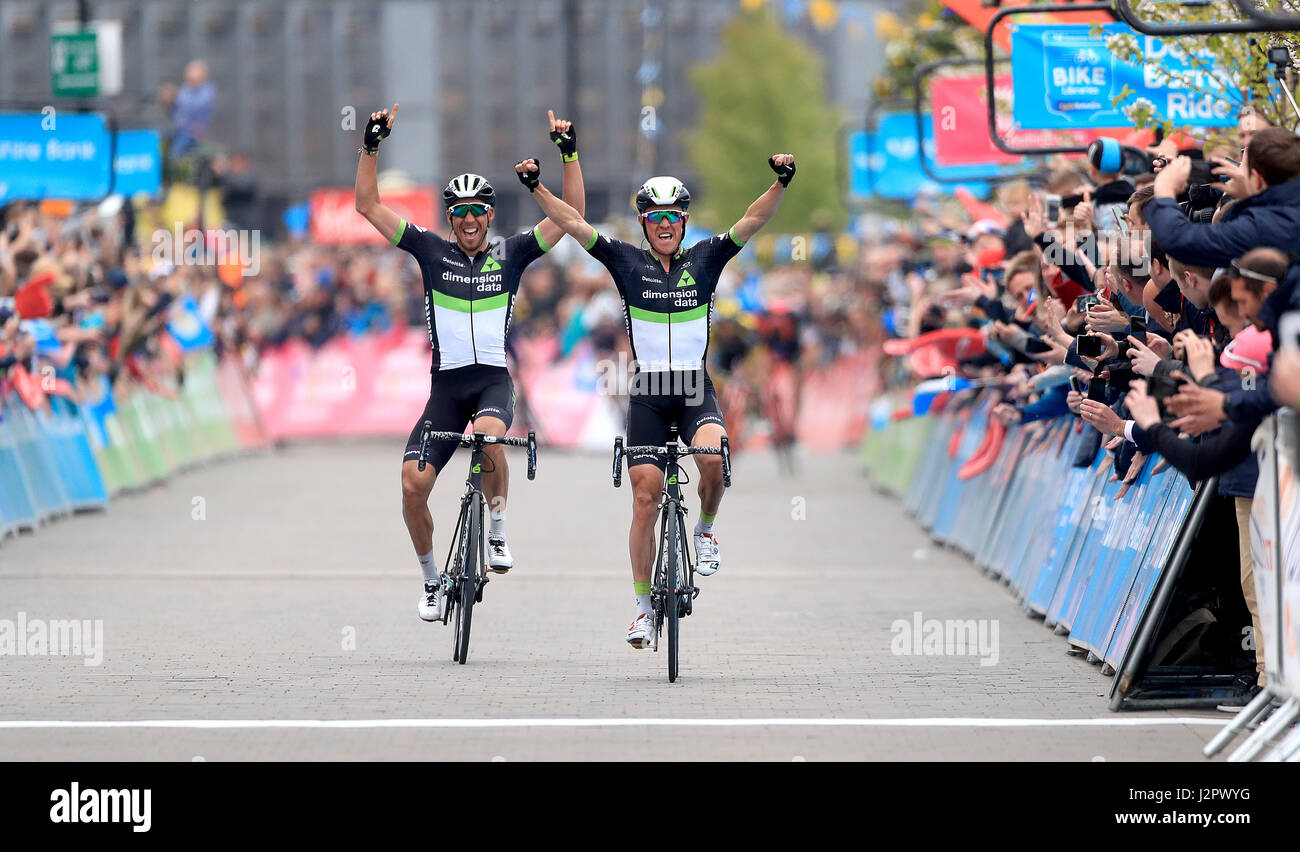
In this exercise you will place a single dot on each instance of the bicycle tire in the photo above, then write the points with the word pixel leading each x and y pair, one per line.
pixel 672 601
pixel 452 602
pixel 469 585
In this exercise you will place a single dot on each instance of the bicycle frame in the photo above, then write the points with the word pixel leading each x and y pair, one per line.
pixel 670 605
pixel 466 572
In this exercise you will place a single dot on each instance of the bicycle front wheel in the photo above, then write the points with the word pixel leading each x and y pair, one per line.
pixel 469 583
pixel 672 584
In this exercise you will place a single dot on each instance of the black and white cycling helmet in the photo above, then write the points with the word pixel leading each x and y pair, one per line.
pixel 662 191
pixel 468 187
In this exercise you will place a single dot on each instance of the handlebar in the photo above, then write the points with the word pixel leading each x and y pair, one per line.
pixel 671 450
pixel 479 439
pixel 651 450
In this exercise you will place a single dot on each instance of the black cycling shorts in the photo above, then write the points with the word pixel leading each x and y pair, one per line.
pixel 458 397
pixel 686 399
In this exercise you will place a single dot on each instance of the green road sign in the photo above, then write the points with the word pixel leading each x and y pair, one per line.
pixel 74 65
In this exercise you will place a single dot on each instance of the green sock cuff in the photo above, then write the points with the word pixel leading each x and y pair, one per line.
pixel 641 588
pixel 708 519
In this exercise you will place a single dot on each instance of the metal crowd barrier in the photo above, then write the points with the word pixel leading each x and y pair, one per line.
pixel 1067 550
pixel 1275 545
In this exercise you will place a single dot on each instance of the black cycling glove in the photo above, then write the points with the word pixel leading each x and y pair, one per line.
pixel 568 142
pixel 531 179
pixel 376 129
pixel 783 173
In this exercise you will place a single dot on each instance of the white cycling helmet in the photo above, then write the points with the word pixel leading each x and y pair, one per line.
pixel 469 187
pixel 662 191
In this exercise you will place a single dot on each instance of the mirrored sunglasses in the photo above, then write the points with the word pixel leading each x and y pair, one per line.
pixel 462 210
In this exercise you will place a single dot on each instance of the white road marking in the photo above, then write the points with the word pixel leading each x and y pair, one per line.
pixel 1105 722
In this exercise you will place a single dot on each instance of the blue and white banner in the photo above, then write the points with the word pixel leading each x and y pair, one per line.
pixel 1067 77
pixel 53 156
pixel 888 162
pixel 138 162
pixel 187 327
pixel 67 156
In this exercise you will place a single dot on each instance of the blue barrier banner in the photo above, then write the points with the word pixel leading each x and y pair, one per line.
pixel 1074 521
pixel 1067 77
pixel 888 161
pixel 65 433
pixel 1041 514
pixel 1103 595
pixel 69 159
pixel 17 505
pixel 1166 527
pixel 137 163
pixel 1157 488
pixel 1069 592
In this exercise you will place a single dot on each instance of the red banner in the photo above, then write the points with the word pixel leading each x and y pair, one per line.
pixel 377 385
pixel 978 13
pixel 335 220
pixel 961 124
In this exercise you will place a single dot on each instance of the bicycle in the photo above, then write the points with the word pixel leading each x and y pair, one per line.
pixel 465 574
pixel 672 582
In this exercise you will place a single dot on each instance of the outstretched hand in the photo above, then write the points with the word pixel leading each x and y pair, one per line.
pixel 564 135
pixel 529 172
pixel 377 128
pixel 783 165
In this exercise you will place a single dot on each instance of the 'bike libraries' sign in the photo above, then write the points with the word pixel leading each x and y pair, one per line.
pixel 1067 77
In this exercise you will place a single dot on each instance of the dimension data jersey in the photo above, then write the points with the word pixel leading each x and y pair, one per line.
pixel 666 313
pixel 468 303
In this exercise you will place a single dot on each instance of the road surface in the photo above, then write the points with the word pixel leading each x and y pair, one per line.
pixel 263 608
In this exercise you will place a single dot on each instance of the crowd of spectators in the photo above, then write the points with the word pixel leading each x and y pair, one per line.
pixel 1142 291
pixel 84 293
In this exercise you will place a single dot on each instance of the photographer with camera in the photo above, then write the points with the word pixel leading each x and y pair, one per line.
pixel 1268 214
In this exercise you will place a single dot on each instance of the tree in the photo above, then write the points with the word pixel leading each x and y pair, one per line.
pixel 765 94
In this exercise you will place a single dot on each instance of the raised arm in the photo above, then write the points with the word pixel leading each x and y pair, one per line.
pixel 385 220
pixel 564 217
pixel 764 207
pixel 565 137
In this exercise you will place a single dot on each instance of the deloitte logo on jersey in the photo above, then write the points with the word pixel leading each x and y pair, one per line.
pixel 686 280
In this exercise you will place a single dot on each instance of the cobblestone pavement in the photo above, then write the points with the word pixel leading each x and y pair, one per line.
pixel 282 587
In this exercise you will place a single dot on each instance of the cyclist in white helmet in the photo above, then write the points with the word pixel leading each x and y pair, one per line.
pixel 470 284
pixel 667 293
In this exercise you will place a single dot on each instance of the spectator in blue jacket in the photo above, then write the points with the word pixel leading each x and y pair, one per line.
pixel 1267 212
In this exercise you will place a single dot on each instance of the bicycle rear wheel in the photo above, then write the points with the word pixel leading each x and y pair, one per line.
pixel 470 582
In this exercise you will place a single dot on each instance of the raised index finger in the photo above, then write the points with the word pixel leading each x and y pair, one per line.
pixel 392 116
pixel 550 115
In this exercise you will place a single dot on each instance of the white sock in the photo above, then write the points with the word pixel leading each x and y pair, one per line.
pixel 643 606
pixel 428 567
pixel 702 527
pixel 497 523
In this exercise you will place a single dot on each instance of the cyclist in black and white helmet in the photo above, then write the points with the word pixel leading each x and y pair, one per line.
pixel 470 284
pixel 667 293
